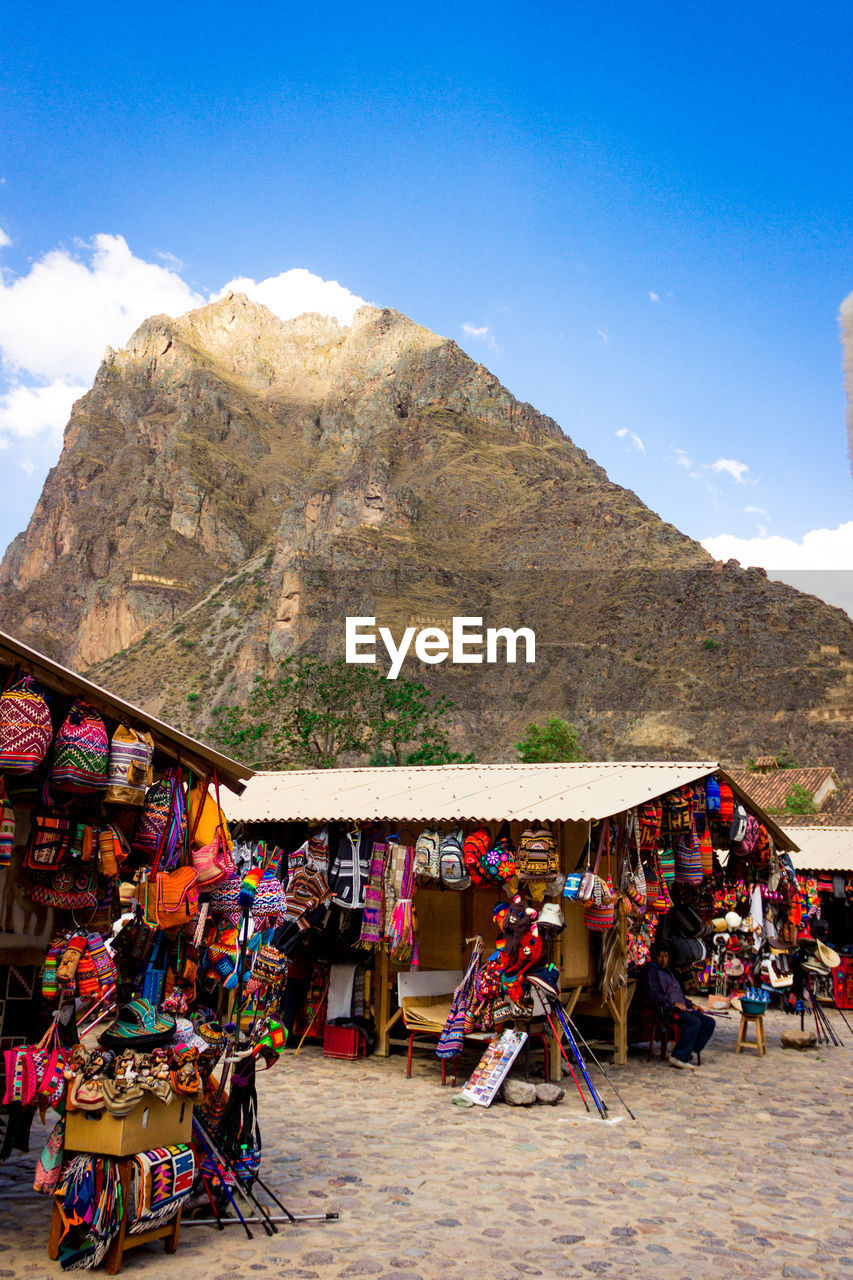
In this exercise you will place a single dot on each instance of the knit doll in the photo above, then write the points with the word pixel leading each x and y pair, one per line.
pixel 522 949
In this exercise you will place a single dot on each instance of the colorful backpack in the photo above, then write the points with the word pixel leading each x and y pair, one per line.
pixel 81 752
pixel 650 817
pixel 26 728
pixel 499 864
pixel 475 848
pixel 712 797
pixel 452 869
pixel 740 823
pixel 727 804
pixel 130 771
pixel 537 857
pixel 427 857
pixel 678 809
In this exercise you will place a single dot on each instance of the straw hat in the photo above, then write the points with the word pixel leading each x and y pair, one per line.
pixel 829 957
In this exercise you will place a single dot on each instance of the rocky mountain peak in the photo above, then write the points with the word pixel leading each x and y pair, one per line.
pixel 234 485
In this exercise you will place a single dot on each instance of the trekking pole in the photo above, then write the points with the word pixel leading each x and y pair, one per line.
pixel 244 1192
pixel 221 1172
pixel 559 1039
pixel 603 1071
pixel 573 1045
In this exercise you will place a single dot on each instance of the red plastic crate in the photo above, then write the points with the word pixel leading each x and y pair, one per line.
pixel 343 1042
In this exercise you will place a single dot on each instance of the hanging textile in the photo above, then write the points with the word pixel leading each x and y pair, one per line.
pixel 402 939
pixel 451 1039
pixel 373 921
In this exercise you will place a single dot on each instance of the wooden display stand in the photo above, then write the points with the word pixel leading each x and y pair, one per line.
pixel 149 1125
pixel 122 1241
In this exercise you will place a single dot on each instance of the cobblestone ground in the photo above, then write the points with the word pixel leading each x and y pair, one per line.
pixel 740 1169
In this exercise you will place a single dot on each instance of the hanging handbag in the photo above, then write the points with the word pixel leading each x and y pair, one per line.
pixel 73 887
pixel 599 912
pixel 81 752
pixel 635 876
pixel 170 898
pixel 688 857
pixel 157 818
pixel 26 728
pixel 130 770
pixel 589 879
pixel 47 846
pixel 205 816
pixel 212 861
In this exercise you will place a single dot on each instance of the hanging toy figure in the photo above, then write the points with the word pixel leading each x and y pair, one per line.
pixel 522 948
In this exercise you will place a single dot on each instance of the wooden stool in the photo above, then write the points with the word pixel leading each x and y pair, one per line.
pixel 121 1241
pixel 759 1043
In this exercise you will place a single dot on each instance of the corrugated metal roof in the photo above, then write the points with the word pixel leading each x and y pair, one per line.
pixel 824 848
pixel 197 755
pixel 472 792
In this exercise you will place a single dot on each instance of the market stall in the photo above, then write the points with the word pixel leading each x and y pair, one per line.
pixel 139 987
pixel 428 853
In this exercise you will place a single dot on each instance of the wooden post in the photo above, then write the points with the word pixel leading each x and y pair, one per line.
pixel 382 1006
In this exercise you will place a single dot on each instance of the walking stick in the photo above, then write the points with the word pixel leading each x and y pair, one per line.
pixel 201 1138
pixel 601 1068
pixel 573 1045
pixel 559 1039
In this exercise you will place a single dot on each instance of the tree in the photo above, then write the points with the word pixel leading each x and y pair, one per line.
pixel 800 800
pixel 312 713
pixel 548 743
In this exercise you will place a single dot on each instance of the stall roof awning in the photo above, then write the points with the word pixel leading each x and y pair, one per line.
pixel 196 755
pixel 824 848
pixel 466 792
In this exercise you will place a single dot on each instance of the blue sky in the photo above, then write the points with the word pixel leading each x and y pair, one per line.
pixel 637 216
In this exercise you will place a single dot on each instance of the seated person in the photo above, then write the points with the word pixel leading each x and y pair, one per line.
pixel 695 1028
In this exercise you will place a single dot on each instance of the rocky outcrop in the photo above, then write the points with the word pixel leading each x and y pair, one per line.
pixel 234 486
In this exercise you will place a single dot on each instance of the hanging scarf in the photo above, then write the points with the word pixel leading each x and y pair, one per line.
pixel 372 921
pixel 402 939
pixel 395 870
pixel 451 1039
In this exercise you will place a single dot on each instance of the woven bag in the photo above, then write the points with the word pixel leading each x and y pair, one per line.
pixel 81 752
pixel 130 771
pixel 26 728
pixel 71 888
pixel 157 820
pixel 212 859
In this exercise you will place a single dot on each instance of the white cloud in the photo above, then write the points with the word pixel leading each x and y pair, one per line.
pixel 757 511
pixel 171 260
pixel 819 549
pixel 623 434
pixel 27 412
pixel 4 239
pixel 475 331
pixel 56 320
pixel 603 336
pixel 683 459
pixel 27 465
pixel 737 470
pixel 654 297
pixel 296 291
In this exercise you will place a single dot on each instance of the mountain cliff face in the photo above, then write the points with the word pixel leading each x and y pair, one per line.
pixel 234 486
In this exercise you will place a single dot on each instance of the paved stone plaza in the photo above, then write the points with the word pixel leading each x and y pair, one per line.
pixel 740 1169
